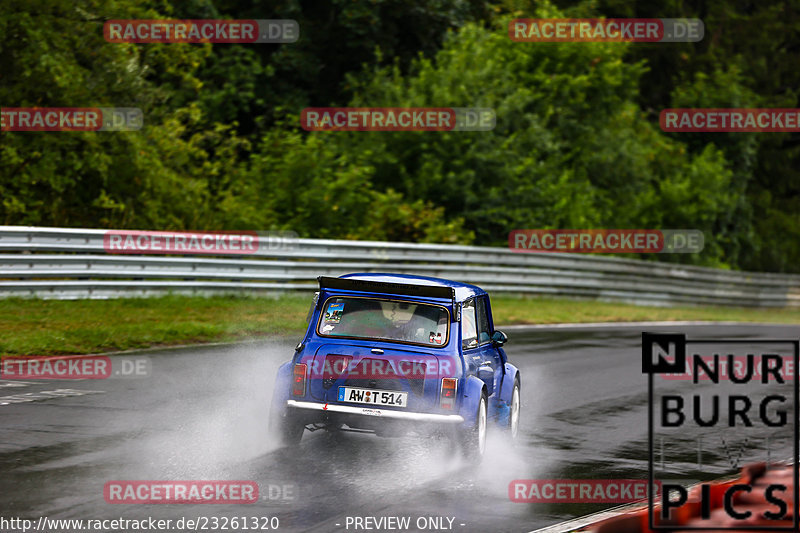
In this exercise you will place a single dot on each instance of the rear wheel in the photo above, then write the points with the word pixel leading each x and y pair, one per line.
pixel 287 430
pixel 473 440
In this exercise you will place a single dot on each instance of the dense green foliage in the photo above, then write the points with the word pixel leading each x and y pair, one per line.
pixel 577 142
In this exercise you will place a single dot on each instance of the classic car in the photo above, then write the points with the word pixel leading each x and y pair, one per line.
pixel 392 354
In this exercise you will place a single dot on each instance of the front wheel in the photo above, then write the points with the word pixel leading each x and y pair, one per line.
pixel 513 415
pixel 473 440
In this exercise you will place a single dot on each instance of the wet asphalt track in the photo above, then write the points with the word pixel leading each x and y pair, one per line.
pixel 201 414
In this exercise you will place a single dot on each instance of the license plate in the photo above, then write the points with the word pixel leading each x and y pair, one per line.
pixel 373 396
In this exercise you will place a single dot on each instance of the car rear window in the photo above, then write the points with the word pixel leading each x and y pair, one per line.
pixel 383 319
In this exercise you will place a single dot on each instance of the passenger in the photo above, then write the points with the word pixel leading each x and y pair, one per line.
pixel 365 318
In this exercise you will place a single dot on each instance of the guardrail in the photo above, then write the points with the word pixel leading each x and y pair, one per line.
pixel 68 263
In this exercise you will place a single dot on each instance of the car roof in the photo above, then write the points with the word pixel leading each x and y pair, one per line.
pixel 463 290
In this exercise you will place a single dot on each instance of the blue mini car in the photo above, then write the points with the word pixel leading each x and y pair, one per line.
pixel 392 354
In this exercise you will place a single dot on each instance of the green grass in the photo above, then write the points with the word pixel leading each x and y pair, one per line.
pixel 44 327
pixel 49 327
pixel 509 310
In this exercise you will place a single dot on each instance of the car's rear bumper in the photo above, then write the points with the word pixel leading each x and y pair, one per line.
pixel 378 413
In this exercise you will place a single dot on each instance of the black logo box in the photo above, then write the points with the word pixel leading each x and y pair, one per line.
pixel 678 366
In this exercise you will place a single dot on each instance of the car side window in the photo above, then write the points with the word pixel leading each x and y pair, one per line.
pixel 469 332
pixel 484 336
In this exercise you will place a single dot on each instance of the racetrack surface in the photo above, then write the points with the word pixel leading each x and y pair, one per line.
pixel 202 411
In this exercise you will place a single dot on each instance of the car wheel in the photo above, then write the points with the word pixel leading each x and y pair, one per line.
pixel 287 430
pixel 513 415
pixel 473 441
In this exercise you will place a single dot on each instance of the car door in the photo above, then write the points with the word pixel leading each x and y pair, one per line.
pixel 490 356
pixel 479 352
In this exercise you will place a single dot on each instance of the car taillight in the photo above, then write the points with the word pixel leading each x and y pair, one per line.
pixel 299 380
pixel 447 399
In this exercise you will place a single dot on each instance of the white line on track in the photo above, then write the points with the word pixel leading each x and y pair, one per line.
pixel 45 395
pixel 578 523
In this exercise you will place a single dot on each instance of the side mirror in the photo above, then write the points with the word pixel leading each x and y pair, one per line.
pixel 499 338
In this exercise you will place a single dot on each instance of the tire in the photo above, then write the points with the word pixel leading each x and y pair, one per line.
pixel 287 431
pixel 513 416
pixel 473 440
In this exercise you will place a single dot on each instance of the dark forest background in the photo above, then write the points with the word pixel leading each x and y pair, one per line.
pixel 577 142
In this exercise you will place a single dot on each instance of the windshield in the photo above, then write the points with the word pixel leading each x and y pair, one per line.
pixel 373 318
